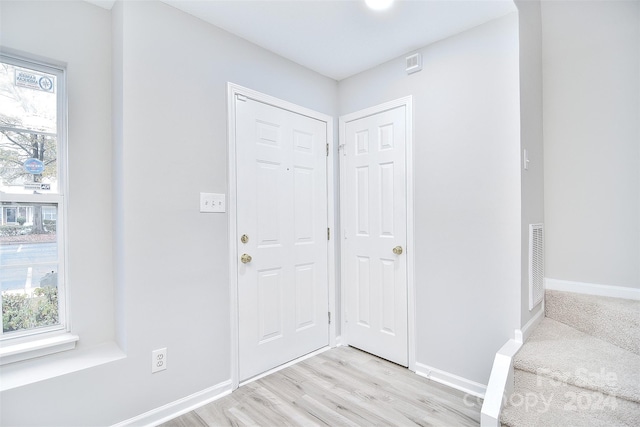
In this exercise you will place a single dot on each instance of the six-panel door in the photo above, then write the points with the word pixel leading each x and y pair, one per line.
pixel 374 215
pixel 282 210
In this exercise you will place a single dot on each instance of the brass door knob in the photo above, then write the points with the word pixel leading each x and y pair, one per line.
pixel 245 258
pixel 397 250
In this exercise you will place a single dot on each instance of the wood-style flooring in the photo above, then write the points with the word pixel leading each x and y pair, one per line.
pixel 339 387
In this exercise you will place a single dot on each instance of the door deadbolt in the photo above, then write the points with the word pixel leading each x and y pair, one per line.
pixel 244 238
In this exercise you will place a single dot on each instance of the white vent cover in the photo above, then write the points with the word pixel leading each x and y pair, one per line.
pixel 414 63
pixel 536 264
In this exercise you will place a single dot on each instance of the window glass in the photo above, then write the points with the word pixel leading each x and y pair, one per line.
pixel 29 265
pixel 32 285
pixel 28 131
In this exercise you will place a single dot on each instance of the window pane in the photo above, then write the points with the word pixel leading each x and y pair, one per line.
pixel 28 99
pixel 28 267
pixel 28 131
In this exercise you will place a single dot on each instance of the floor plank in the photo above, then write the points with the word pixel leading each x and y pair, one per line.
pixel 340 387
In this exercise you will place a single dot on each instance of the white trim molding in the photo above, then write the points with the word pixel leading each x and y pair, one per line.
pixel 592 289
pixel 521 335
pixel 38 369
pixel 179 407
pixel 459 383
pixel 14 352
pixel 500 384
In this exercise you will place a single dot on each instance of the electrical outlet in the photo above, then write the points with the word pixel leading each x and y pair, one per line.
pixel 158 360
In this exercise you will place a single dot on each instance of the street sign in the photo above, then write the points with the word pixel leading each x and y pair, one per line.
pixel 33 166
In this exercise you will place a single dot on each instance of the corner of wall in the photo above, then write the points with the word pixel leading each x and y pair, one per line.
pixel 531 137
pixel 117 125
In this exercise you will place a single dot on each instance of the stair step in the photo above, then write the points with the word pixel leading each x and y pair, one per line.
pixel 555 350
pixel 541 401
pixel 613 320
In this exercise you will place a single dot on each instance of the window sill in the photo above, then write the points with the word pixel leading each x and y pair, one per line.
pixel 38 347
pixel 27 372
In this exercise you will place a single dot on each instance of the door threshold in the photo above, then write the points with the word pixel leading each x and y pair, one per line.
pixel 285 365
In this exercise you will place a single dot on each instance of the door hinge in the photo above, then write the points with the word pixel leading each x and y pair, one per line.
pixel 327 149
pixel 329 313
pixel 241 97
pixel 328 233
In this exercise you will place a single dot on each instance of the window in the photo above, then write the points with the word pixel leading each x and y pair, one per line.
pixel 32 200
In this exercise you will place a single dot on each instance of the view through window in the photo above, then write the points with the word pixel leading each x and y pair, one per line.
pixel 31 198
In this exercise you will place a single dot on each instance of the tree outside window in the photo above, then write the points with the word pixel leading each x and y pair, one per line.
pixel 32 198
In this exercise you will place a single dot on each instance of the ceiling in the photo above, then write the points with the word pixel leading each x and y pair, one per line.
pixel 340 38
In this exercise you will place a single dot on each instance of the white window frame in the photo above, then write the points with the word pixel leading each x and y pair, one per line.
pixel 22 345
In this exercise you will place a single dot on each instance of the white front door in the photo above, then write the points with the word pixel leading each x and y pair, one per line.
pixel 281 175
pixel 374 215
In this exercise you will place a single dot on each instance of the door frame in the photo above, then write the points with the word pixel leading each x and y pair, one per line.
pixel 406 102
pixel 234 90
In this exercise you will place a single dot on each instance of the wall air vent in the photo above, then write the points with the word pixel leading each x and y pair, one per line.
pixel 536 264
pixel 414 63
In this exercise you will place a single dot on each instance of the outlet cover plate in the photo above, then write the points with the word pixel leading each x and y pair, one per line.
pixel 158 360
pixel 212 202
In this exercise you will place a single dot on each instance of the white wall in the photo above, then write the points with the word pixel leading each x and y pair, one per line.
pixel 169 133
pixel 591 54
pixel 467 191
pixel 52 31
pixel 532 179
pixel 53 35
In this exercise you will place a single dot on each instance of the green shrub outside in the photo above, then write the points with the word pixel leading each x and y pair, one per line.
pixel 21 220
pixel 15 230
pixel 10 230
pixel 20 311
pixel 50 225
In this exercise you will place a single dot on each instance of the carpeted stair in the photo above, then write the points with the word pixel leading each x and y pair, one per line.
pixel 580 366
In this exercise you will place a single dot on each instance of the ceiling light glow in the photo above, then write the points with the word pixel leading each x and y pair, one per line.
pixel 378 4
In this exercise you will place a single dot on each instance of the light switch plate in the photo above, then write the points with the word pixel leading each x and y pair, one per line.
pixel 212 202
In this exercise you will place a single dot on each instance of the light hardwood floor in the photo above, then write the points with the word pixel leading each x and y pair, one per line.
pixel 340 387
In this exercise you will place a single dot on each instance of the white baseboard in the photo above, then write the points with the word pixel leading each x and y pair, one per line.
pixel 500 384
pixel 181 406
pixel 470 387
pixel 592 289
pixel 521 335
pixel 339 341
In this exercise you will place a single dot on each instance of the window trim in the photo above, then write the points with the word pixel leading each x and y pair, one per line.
pixel 40 341
pixel 42 345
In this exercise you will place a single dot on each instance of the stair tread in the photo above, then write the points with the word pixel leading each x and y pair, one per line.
pixel 542 401
pixel 614 320
pixel 561 352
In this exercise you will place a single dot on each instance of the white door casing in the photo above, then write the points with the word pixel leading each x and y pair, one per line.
pixel 281 205
pixel 376 217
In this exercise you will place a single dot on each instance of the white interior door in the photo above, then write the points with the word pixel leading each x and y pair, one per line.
pixel 281 168
pixel 374 214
